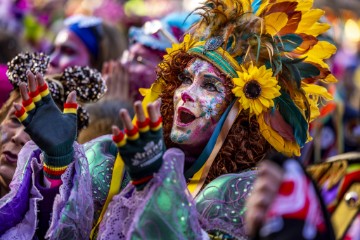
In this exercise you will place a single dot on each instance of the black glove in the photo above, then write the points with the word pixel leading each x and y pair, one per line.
pixel 53 131
pixel 141 149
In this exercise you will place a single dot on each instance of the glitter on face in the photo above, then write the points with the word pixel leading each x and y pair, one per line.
pixel 199 103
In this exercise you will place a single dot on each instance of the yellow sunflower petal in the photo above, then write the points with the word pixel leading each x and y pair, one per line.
pixel 257 106
pixel 286 147
pixel 265 102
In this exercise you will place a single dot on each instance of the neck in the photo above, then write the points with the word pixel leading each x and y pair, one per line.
pixel 191 154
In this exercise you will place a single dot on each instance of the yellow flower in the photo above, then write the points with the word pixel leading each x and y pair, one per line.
pixel 184 46
pixel 256 89
pixel 150 95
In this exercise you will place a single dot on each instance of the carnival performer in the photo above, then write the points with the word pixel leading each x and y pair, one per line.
pixel 89 87
pixel 85 41
pixel 135 70
pixel 242 83
pixel 148 45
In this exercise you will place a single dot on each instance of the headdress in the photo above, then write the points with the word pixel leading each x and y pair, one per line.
pixel 161 34
pixel 88 29
pixel 87 82
pixel 271 51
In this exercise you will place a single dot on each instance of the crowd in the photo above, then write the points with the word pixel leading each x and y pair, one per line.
pixel 236 120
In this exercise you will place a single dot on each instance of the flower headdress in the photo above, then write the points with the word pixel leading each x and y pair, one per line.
pixel 271 51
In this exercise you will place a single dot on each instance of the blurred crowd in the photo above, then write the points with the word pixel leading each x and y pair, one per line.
pixel 108 52
pixel 120 39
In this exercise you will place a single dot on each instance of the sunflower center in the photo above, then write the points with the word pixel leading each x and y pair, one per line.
pixel 252 89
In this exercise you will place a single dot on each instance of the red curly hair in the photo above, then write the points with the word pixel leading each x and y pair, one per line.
pixel 244 146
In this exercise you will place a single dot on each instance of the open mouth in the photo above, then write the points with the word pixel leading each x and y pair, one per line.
pixel 10 157
pixel 185 117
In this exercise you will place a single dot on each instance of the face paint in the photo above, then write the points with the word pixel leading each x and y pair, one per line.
pixel 68 51
pixel 13 138
pixel 140 63
pixel 198 103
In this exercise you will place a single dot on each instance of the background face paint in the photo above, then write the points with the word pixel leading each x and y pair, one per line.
pixel 13 138
pixel 198 103
pixel 68 51
pixel 140 63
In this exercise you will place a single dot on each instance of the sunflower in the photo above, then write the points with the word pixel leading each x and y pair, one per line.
pixel 256 88
pixel 185 45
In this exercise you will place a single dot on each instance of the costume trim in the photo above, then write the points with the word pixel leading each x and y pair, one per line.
pixel 116 179
pixel 217 140
pixel 219 57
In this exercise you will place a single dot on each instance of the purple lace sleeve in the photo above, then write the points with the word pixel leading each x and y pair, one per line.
pixel 23 197
pixel 73 207
pixel 164 209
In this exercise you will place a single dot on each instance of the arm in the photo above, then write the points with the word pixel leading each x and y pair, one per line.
pixel 141 146
pixel 53 131
pixel 157 204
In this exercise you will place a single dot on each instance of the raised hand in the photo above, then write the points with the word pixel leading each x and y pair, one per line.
pixel 141 146
pixel 117 81
pixel 265 189
pixel 285 204
pixel 53 131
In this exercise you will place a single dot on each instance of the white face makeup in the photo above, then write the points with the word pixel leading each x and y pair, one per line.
pixel 69 50
pixel 198 104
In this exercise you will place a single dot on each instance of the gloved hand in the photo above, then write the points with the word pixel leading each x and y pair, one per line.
pixel 141 146
pixel 53 131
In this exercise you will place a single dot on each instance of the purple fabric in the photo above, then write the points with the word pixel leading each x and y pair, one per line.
pixel 13 211
pixel 329 195
pixel 45 205
pixel 72 210
pixel 140 214
pixel 25 229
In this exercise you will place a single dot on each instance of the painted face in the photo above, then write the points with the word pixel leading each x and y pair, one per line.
pixel 68 51
pixel 198 104
pixel 12 139
pixel 140 63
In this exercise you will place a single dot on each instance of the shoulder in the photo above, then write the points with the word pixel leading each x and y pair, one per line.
pixel 229 185
pixel 221 204
pixel 101 155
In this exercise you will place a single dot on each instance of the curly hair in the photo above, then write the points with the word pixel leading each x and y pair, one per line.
pixel 244 146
